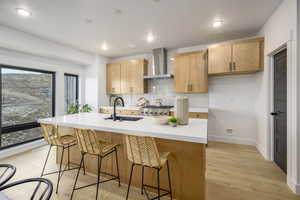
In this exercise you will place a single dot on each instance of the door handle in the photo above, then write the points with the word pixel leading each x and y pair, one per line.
pixel 276 113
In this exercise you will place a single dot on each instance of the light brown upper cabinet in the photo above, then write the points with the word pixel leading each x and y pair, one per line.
pixel 219 58
pixel 113 78
pixel 236 58
pixel 191 72
pixel 130 77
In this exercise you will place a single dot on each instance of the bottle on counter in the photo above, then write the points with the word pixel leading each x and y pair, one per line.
pixel 181 111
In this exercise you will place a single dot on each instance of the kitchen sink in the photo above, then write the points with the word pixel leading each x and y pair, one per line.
pixel 125 118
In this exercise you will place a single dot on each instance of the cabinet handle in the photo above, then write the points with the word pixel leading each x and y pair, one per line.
pixel 190 87
pixel 234 65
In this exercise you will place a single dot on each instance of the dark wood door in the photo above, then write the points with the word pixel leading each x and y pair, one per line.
pixel 280 109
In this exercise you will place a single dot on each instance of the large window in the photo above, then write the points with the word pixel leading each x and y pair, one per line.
pixel 26 95
pixel 71 90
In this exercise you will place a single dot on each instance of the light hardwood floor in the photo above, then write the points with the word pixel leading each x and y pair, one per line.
pixel 234 172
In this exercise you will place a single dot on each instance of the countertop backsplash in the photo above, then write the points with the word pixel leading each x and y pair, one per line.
pixel 163 89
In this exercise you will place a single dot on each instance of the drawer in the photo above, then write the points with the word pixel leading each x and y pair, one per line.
pixel 195 115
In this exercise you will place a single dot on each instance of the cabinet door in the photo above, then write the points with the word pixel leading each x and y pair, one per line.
pixel 246 56
pixel 137 81
pixel 113 77
pixel 219 59
pixel 126 77
pixel 181 80
pixel 198 76
pixel 132 77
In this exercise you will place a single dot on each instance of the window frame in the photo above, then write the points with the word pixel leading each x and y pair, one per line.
pixel 77 84
pixel 29 125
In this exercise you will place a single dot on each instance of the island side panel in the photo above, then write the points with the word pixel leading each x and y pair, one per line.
pixel 187 166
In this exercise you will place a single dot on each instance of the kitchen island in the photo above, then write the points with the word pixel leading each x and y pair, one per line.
pixel 186 144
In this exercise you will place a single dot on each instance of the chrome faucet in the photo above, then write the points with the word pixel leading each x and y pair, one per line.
pixel 114 115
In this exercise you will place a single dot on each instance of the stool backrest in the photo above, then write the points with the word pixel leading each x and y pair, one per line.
pixel 50 133
pixel 142 150
pixel 87 141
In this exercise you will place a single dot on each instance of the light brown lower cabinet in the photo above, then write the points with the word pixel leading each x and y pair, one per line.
pixel 199 115
pixel 187 165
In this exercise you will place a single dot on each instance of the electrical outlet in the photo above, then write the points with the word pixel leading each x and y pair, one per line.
pixel 229 131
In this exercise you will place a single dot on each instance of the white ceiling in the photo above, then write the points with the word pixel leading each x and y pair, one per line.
pixel 174 23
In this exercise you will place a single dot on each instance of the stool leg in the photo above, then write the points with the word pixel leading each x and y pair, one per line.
pixel 68 157
pixel 170 187
pixel 129 181
pixel 142 188
pixel 59 172
pixel 117 162
pixel 158 189
pixel 83 165
pixel 46 160
pixel 98 179
pixel 74 186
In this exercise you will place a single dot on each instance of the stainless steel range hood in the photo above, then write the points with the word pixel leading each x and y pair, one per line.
pixel 159 65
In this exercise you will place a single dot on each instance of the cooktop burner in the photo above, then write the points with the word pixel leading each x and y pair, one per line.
pixel 156 110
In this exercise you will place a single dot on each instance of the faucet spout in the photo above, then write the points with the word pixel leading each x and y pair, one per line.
pixel 115 104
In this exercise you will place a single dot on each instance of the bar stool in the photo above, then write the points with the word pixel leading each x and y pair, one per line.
pixel 52 137
pixel 142 150
pixel 88 143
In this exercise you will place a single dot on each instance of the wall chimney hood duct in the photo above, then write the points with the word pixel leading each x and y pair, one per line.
pixel 159 65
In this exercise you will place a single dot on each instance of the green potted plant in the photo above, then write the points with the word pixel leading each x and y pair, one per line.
pixel 77 108
pixel 173 121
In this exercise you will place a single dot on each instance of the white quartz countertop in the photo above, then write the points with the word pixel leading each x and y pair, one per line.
pixel 195 131
pixel 191 109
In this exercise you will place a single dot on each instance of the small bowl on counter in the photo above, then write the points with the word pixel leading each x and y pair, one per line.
pixel 161 120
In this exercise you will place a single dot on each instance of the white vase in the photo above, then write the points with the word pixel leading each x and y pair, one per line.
pixel 182 110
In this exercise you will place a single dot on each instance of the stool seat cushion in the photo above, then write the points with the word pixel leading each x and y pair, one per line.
pixel 108 147
pixel 67 140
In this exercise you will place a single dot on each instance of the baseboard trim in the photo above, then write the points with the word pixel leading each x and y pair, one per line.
pixel 294 187
pixel 233 140
pixel 21 148
pixel 262 151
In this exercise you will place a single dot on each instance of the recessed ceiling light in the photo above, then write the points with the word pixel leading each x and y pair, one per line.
pixel 23 12
pixel 217 23
pixel 118 11
pixel 104 46
pixel 172 59
pixel 150 38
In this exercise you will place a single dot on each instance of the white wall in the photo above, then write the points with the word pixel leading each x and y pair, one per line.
pixel 95 85
pixel 27 43
pixel 231 104
pixel 19 59
pixel 280 29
